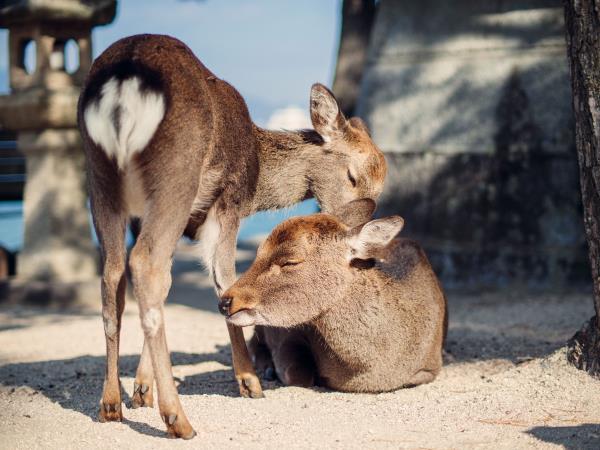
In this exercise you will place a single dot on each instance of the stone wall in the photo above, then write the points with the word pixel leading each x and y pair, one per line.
pixel 470 101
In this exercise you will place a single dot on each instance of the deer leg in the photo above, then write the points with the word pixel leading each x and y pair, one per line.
pixel 293 360
pixel 167 211
pixel 222 268
pixel 421 377
pixel 110 227
pixel 143 385
pixel 245 374
pixel 150 264
pixel 113 303
pixel 261 354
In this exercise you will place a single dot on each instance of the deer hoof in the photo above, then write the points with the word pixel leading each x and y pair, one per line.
pixel 110 412
pixel 178 427
pixel 250 387
pixel 142 396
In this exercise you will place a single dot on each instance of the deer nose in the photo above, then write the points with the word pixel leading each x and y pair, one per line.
pixel 224 305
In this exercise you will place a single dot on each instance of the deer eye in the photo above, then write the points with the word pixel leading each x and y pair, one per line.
pixel 352 179
pixel 290 262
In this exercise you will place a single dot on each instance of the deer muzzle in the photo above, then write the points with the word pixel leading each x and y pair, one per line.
pixel 238 306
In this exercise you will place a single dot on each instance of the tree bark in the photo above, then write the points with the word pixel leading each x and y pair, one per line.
pixel 357 21
pixel 582 24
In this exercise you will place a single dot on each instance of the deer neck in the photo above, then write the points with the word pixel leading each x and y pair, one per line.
pixel 348 329
pixel 285 161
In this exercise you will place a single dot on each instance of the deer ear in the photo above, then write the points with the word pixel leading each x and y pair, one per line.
pixel 325 114
pixel 355 212
pixel 366 241
pixel 358 123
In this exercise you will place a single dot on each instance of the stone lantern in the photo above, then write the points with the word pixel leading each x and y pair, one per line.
pixel 42 109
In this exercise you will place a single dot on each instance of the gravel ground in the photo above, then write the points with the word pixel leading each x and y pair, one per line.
pixel 506 383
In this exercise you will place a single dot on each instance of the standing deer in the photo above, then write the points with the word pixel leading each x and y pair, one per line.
pixel 342 304
pixel 173 145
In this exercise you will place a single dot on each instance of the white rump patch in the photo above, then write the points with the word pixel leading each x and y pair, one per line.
pixel 124 119
pixel 152 321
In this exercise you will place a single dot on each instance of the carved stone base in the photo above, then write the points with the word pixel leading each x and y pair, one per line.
pixel 50 294
pixel 57 243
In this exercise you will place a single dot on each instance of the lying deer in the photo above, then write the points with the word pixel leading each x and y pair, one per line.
pixel 173 145
pixel 341 303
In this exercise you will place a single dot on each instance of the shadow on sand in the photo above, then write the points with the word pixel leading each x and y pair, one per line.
pixel 76 383
pixel 585 436
pixel 480 329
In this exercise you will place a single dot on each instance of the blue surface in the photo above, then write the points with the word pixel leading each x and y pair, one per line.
pixel 261 47
pixel 263 222
pixel 11 222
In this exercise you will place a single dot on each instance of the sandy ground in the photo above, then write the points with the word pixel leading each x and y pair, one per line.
pixel 506 383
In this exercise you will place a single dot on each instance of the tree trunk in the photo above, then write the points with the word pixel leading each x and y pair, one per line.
pixel 357 21
pixel 582 24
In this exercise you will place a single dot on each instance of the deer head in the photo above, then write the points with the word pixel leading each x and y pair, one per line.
pixel 307 266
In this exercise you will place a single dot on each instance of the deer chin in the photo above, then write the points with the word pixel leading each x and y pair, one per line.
pixel 246 318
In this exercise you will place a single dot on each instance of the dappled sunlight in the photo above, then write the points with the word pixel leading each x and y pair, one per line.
pixel 500 351
pixel 471 106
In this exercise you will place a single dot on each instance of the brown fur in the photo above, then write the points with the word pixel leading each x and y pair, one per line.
pixel 205 161
pixel 369 324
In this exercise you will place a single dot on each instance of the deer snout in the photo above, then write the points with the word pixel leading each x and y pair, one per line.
pixel 237 304
pixel 224 305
